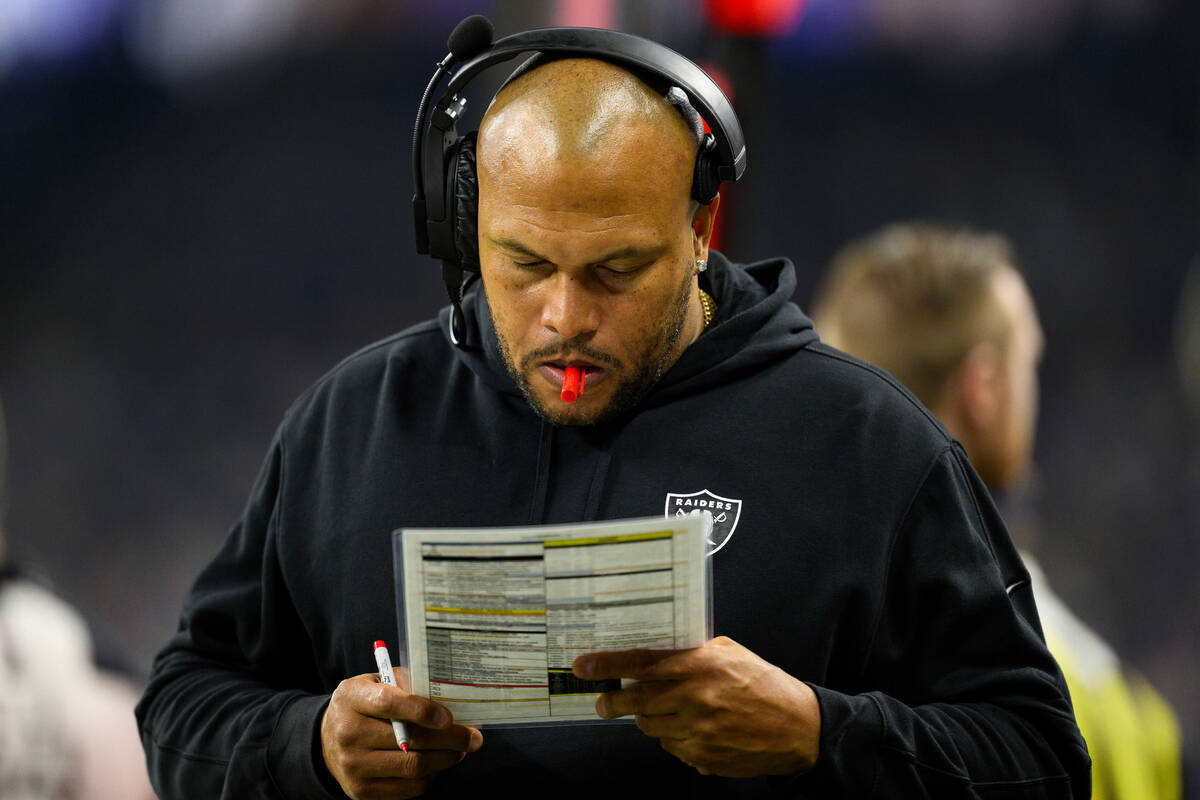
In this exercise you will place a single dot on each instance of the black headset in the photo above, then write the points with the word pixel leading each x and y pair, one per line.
pixel 445 197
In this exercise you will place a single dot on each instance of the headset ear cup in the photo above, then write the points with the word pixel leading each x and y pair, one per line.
pixel 706 181
pixel 466 203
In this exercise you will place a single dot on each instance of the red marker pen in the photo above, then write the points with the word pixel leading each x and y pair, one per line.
pixel 387 676
pixel 572 385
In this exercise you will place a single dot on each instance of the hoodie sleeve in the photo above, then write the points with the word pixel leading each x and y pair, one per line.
pixel 215 719
pixel 965 700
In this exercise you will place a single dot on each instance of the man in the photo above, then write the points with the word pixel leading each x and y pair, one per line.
pixel 66 731
pixel 948 314
pixel 869 645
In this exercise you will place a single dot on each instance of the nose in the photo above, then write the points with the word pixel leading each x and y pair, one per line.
pixel 570 308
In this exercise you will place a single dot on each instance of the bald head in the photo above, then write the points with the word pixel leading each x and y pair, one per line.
pixel 583 113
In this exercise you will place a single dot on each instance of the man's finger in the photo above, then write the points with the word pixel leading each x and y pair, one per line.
pixel 641 697
pixel 636 664
pixel 415 764
pixel 373 699
pixel 457 738
pixel 665 727
pixel 377 734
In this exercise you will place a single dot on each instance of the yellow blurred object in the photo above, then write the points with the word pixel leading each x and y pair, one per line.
pixel 1132 734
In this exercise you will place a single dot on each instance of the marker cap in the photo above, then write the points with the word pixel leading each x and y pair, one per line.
pixel 570 384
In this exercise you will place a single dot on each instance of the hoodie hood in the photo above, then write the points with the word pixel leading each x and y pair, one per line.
pixel 756 324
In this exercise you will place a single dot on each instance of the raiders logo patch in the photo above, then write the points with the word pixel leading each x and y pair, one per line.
pixel 720 514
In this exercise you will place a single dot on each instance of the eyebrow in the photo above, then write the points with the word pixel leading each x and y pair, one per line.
pixel 628 251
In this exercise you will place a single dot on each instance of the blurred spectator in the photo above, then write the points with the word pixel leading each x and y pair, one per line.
pixel 947 313
pixel 66 727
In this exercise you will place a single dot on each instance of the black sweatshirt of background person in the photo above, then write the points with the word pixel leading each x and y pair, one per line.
pixel 867 560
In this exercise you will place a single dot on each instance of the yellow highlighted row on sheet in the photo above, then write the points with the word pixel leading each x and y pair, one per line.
pixel 625 537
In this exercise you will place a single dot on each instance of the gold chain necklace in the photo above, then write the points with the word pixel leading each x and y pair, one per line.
pixel 709 305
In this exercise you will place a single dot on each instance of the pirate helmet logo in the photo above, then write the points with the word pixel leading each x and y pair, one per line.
pixel 720 514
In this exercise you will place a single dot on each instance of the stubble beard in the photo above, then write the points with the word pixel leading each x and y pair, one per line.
pixel 648 368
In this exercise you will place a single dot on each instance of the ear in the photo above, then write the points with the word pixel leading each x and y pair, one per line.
pixel 702 227
pixel 979 382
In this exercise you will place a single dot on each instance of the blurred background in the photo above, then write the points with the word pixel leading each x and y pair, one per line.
pixel 204 206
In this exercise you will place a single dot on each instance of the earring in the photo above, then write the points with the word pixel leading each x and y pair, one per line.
pixel 701 264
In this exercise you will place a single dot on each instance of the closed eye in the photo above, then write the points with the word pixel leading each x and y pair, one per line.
pixel 620 272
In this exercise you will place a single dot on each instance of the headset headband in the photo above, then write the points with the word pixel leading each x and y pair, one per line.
pixel 643 57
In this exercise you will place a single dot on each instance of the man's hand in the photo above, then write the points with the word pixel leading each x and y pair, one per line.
pixel 360 748
pixel 718 708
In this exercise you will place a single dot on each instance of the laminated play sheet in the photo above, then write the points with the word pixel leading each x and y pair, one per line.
pixel 492 619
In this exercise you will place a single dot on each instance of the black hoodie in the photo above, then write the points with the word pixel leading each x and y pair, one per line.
pixel 866 559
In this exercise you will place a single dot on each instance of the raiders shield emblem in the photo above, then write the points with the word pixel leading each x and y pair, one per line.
pixel 720 514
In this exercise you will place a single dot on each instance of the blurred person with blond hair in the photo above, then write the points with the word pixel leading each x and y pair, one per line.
pixel 947 313
pixel 67 730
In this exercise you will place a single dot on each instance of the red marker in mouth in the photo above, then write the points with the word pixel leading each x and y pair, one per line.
pixel 572 385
